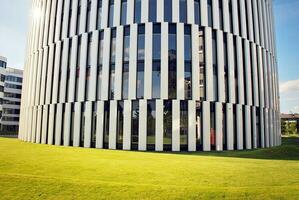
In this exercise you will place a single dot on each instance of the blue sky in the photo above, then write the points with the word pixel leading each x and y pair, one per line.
pixel 14 17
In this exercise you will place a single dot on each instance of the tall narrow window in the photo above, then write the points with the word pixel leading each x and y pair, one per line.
pixel 167 125
pixel 120 124
pixel 210 13
pixel 99 14
pixel 151 124
pixel 135 124
pixel 94 124
pixel 126 57
pixel 188 63
pixel 226 94
pixel 137 11
pixel 167 10
pixel 112 64
pixel 106 124
pixel 152 10
pixel 199 134
pixel 78 17
pixel 88 15
pixel 215 68
pixel 220 14
pixel 172 61
pixel 183 11
pixel 184 125
pixel 224 135
pixel 123 12
pixel 100 64
pixel 88 64
pixel 140 61
pixel 197 12
pixel 156 75
pixel 202 64
pixel 213 126
pixel 78 68
pixel 111 12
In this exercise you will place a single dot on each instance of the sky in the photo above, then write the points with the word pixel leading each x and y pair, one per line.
pixel 15 14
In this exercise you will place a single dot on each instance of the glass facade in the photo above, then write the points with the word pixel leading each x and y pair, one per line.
pixel 124 5
pixel 137 7
pixel 153 10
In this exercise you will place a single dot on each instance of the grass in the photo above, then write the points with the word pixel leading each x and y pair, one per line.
pixel 32 171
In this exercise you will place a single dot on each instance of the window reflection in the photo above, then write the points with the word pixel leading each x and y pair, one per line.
pixel 99 14
pixel 184 125
pixel 197 11
pixel 137 11
pixel 123 20
pixel 151 124
pixel 106 124
pixel 120 124
pixel 135 125
pixel 183 11
pixel 152 10
pixel 112 64
pixel 140 61
pixel 188 63
pixel 111 13
pixel 100 64
pixel 167 125
pixel 201 64
pixel 126 57
pixel 172 61
pixel 210 13
pixel 167 10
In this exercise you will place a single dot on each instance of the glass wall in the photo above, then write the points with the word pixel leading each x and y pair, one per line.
pixel 123 19
pixel 94 124
pixel 167 125
pixel 188 62
pixel 156 75
pixel 100 64
pixel 152 10
pixel 151 124
pixel 126 57
pixel 172 61
pixel 140 61
pixel 167 10
pixel 112 64
pixel 120 124
pixel 111 13
pixel 137 11
pixel 135 125
pixel 184 125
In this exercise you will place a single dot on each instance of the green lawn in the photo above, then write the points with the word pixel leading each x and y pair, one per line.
pixel 32 171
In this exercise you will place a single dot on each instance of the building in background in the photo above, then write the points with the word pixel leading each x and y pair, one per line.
pixel 290 121
pixel 173 75
pixel 10 97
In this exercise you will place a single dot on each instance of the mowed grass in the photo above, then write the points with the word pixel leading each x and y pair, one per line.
pixel 32 171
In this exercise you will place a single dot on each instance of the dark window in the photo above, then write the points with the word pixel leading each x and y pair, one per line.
pixel 188 63
pixel 112 64
pixel 88 15
pixel 111 13
pixel 123 12
pixel 183 11
pixel 215 68
pixel 100 64
pixel 210 13
pixel 120 124
pixel 197 11
pixel 172 62
pixel 202 64
pixel 152 10
pixel 140 61
pixel 137 11
pixel 135 124
pixel 126 57
pixel 99 14
pixel 168 10
pixel 184 125
pixel 220 14
pixel 106 124
pixel 167 125
pixel 156 74
pixel 151 124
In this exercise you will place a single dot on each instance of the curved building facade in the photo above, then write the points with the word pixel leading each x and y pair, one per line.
pixel 163 75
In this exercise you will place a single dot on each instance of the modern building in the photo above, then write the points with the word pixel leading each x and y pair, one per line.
pixel 172 75
pixel 10 97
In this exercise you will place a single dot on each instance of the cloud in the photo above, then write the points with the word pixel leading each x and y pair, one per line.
pixel 289 86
